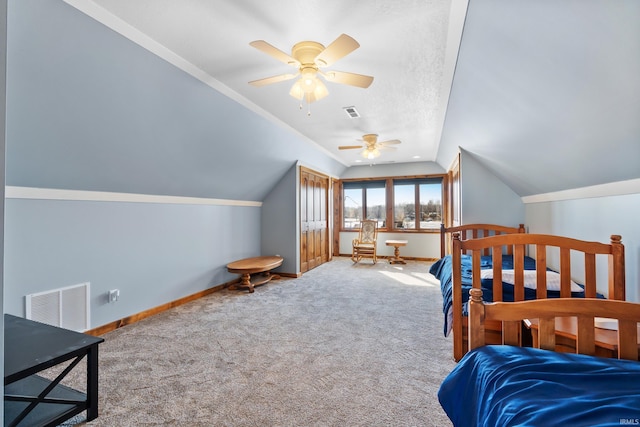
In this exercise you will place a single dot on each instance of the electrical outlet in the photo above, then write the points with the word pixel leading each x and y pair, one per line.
pixel 114 295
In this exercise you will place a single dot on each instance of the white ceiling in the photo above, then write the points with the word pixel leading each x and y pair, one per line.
pixel 403 45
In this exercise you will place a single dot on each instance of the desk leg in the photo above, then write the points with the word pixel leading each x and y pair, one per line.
pixel 92 383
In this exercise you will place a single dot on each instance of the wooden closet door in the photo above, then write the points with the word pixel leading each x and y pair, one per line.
pixel 314 244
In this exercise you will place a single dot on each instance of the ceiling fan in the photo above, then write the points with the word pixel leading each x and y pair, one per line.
pixel 309 57
pixel 371 146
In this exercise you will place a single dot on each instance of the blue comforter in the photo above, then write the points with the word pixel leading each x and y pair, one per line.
pixel 506 386
pixel 443 271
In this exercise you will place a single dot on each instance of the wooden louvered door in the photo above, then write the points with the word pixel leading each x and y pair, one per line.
pixel 314 230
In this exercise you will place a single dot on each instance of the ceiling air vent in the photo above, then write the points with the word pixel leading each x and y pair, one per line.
pixel 351 112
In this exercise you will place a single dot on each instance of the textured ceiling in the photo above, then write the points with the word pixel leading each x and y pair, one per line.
pixel 403 45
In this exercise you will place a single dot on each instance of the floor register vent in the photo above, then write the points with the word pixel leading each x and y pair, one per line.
pixel 65 307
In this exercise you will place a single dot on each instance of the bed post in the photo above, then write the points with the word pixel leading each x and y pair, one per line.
pixel 443 231
pixel 617 289
pixel 456 263
pixel 475 325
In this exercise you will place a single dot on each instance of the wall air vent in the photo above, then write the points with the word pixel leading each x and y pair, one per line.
pixel 351 112
pixel 65 307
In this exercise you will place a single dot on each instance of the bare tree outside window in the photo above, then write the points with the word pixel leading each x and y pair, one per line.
pixel 352 210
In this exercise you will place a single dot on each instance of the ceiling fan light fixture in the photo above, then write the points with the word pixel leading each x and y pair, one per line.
pixel 309 92
pixel 308 57
pixel 297 90
pixel 309 79
pixel 371 153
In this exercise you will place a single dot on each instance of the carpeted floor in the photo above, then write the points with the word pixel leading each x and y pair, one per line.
pixel 344 345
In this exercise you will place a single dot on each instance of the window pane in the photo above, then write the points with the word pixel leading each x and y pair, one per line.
pixel 376 205
pixel 352 213
pixel 404 209
pixel 430 206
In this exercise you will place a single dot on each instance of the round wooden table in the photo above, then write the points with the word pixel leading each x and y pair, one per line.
pixel 248 266
pixel 396 253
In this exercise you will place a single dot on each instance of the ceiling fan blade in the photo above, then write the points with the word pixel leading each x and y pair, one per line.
pixel 352 79
pixel 386 147
pixel 274 79
pixel 390 142
pixel 349 147
pixel 275 52
pixel 339 48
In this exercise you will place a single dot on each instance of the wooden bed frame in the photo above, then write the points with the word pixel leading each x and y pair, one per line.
pixel 509 385
pixel 518 244
pixel 473 231
pixel 511 314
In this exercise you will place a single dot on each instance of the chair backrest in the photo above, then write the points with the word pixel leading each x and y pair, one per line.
pixel 368 231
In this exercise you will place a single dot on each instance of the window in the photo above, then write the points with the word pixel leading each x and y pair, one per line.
pixel 414 203
pixel 430 201
pixel 352 212
pixel 363 200
pixel 417 203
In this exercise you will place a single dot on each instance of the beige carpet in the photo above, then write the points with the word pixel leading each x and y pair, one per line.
pixel 344 345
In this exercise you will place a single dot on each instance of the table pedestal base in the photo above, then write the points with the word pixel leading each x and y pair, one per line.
pixel 249 282
pixel 396 252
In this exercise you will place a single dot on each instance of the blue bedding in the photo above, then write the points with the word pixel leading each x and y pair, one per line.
pixel 443 271
pixel 506 386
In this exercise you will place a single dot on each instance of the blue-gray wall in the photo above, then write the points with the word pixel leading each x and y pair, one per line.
pixel 90 110
pixel 595 219
pixel 280 219
pixel 484 197
pixel 153 253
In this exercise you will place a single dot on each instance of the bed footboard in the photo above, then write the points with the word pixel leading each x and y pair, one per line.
pixel 627 315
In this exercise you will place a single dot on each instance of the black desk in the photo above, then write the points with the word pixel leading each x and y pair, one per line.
pixel 31 347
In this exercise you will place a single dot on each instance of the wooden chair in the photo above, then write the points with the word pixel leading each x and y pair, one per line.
pixel 365 245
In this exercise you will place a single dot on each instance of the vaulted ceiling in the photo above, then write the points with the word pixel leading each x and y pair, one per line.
pixel 544 94
pixel 403 45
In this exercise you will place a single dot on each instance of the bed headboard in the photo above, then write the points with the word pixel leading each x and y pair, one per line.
pixel 474 231
pixel 541 244
pixel 546 310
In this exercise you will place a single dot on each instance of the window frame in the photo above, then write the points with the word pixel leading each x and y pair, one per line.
pixel 389 183
pixel 363 185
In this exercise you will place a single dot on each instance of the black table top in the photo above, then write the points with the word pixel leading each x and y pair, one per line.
pixel 30 346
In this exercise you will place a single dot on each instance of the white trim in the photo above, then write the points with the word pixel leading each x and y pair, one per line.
pixel 619 188
pixel 123 28
pixel 12 192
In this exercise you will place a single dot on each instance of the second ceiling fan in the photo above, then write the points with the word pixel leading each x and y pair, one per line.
pixel 309 57
pixel 371 146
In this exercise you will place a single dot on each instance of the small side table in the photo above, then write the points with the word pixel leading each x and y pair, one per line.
pixel 396 253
